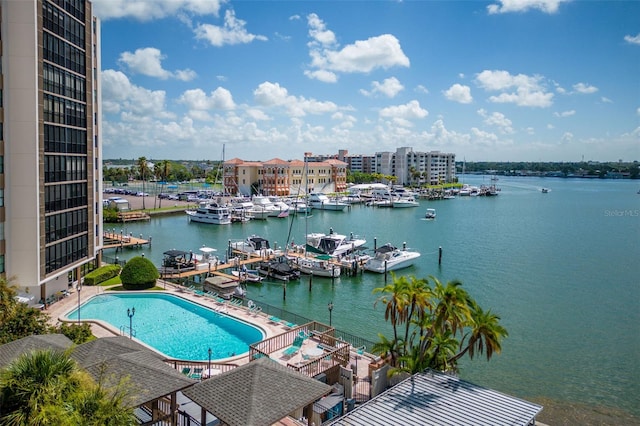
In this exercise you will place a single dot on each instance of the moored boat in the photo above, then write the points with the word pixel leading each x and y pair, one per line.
pixel 320 201
pixel 278 269
pixel 319 266
pixel 253 246
pixel 390 258
pixel 213 213
pixel 333 244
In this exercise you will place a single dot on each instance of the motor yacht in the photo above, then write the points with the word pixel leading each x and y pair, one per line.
pixel 390 258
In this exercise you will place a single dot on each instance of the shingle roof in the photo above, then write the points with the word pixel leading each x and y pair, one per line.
pixel 433 398
pixel 258 393
pixel 111 358
pixel 12 350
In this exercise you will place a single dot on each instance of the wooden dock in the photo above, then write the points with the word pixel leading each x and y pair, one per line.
pixel 120 241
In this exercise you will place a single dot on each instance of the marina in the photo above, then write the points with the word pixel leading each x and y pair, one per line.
pixel 536 260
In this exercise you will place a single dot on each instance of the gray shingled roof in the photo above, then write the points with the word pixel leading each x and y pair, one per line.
pixel 111 358
pixel 433 398
pixel 108 359
pixel 12 350
pixel 255 394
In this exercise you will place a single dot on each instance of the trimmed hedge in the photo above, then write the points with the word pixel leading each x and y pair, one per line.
pixel 139 273
pixel 101 274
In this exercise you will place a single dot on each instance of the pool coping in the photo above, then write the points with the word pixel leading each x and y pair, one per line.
pixel 61 309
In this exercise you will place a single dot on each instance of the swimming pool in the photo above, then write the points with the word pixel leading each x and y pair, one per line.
pixel 172 325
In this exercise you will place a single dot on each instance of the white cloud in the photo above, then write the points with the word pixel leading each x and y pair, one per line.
pixel 199 103
pixel 638 111
pixel 120 96
pixel 273 95
pixel 145 10
pixel 459 93
pixel 422 89
pixel 632 39
pixel 403 114
pixel 497 119
pixel 389 87
pixel 232 32
pixel 606 100
pixel 322 75
pixel 567 137
pixel 257 114
pixel 363 56
pixel 148 61
pixel 506 6
pixel 584 88
pixel 565 113
pixel 521 89
pixel 319 32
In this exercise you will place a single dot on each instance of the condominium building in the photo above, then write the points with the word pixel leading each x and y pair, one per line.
pixel 50 151
pixel 411 167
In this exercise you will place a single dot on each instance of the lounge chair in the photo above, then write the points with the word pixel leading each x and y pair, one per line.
pixel 186 371
pixel 197 373
pixel 275 320
pixel 295 347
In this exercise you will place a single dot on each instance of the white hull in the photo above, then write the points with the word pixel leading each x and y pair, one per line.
pixel 405 203
pixel 389 258
pixel 328 205
pixel 319 268
pixel 215 216
pixel 251 277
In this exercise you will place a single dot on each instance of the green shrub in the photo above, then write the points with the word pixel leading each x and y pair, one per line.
pixel 110 215
pixel 101 274
pixel 78 333
pixel 139 273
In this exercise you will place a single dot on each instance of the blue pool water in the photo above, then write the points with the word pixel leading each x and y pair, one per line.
pixel 172 325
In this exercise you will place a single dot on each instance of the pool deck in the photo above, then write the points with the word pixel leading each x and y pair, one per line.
pixel 57 310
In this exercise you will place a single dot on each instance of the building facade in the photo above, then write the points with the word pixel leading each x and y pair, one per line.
pixel 284 178
pixel 50 150
pixel 414 168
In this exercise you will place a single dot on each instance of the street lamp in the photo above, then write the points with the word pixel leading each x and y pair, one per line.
pixel 130 313
pixel 79 287
pixel 209 366
pixel 330 307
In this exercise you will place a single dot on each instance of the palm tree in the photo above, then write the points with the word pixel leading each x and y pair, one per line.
pixel 164 168
pixel 395 300
pixel 48 388
pixel 486 334
pixel 452 311
pixel 143 168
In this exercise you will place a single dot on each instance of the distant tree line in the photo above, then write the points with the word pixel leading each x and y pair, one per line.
pixel 595 169
pixel 120 171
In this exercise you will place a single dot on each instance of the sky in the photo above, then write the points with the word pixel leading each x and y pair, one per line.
pixel 502 80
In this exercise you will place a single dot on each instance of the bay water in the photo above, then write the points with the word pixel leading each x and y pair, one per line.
pixel 561 269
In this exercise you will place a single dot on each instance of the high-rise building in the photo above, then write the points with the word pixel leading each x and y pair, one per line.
pixel 50 150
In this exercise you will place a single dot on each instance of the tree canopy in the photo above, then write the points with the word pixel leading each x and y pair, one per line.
pixel 434 325
pixel 139 273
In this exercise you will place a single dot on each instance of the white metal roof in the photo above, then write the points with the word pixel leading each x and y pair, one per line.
pixel 433 398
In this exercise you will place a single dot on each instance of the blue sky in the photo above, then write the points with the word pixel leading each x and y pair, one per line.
pixel 504 80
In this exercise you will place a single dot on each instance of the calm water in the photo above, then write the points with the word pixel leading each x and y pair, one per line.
pixel 187 330
pixel 561 269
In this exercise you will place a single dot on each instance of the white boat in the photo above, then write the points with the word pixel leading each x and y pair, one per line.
pixel 389 258
pixel 546 190
pixel 262 205
pixel 282 207
pixel 430 214
pixel 210 213
pixel 253 246
pixel 299 206
pixel 320 267
pixel 247 275
pixel 405 201
pixel 320 201
pixel 333 244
